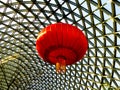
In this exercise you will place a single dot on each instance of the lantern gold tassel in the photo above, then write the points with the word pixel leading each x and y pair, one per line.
pixel 61 66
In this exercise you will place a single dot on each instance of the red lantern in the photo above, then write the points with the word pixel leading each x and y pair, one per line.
pixel 61 44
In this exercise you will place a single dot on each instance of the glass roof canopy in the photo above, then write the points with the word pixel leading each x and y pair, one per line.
pixel 22 69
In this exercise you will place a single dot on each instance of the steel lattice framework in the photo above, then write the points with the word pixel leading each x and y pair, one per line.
pixel 22 69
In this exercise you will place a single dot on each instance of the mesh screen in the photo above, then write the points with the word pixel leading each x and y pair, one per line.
pixel 22 69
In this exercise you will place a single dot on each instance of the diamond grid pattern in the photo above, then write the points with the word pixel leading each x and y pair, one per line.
pixel 22 69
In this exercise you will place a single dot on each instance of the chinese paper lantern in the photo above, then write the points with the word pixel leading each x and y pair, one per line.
pixel 61 44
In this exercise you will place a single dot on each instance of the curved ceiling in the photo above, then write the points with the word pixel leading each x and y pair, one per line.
pixel 22 69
